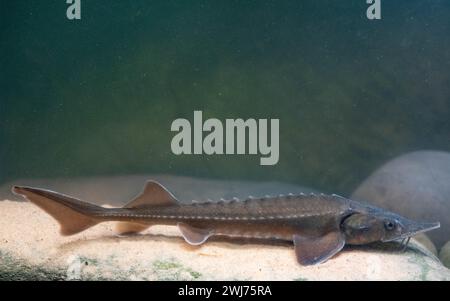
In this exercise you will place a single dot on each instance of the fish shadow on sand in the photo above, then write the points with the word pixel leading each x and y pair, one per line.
pixel 226 242
pixel 234 243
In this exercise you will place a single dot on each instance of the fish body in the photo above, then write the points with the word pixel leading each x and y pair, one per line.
pixel 318 224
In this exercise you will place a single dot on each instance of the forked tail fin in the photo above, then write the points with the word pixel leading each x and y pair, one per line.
pixel 72 214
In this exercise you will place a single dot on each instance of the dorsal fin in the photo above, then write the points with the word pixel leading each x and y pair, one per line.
pixel 154 194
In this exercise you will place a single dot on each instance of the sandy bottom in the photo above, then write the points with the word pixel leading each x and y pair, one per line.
pixel 29 235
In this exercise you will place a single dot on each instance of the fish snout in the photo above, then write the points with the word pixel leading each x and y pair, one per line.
pixel 414 228
pixel 417 228
pixel 410 228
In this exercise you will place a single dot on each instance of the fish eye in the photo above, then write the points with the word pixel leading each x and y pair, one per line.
pixel 389 225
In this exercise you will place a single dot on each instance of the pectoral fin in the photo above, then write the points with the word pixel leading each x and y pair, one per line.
pixel 194 236
pixel 310 251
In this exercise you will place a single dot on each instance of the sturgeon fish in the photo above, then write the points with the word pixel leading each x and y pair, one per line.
pixel 319 225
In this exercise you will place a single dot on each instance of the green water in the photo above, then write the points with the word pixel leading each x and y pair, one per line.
pixel 97 96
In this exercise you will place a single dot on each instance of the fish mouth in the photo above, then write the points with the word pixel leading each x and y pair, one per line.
pixel 414 229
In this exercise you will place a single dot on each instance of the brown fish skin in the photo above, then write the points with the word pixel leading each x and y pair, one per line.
pixel 319 224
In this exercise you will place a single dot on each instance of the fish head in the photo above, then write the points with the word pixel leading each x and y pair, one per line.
pixel 385 226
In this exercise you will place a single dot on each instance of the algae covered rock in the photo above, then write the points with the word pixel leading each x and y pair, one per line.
pixel 415 185
pixel 423 239
pixel 31 248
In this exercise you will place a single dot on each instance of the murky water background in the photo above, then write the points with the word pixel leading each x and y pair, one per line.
pixel 97 96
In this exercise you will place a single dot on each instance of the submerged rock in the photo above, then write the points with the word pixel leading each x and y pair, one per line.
pixel 415 185
pixel 423 239
pixel 444 254
pixel 32 249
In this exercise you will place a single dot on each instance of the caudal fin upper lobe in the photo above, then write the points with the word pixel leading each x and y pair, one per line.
pixel 72 214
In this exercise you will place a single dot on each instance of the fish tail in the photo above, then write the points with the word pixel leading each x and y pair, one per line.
pixel 73 215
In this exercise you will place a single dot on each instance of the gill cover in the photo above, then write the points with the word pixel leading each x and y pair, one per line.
pixel 362 228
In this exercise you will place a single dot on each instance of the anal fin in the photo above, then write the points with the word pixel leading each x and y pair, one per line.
pixel 194 236
pixel 310 251
pixel 123 228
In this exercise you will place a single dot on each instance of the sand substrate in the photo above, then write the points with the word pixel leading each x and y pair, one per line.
pixel 32 248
